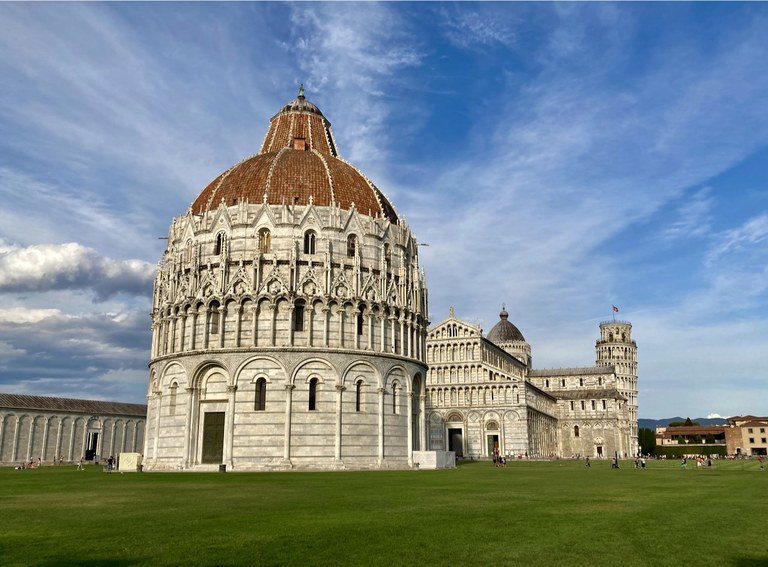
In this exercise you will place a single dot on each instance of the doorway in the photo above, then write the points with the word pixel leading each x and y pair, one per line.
pixel 91 446
pixel 456 442
pixel 493 445
pixel 599 450
pixel 213 437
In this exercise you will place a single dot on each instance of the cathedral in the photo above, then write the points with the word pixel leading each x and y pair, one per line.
pixel 290 331
pixel 484 397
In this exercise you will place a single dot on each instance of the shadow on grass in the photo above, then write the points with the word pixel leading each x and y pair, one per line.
pixel 744 561
pixel 64 562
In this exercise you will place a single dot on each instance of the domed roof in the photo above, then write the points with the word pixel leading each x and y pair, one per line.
pixel 297 164
pixel 504 331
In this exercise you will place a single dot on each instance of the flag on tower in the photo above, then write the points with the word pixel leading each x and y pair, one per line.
pixel 615 309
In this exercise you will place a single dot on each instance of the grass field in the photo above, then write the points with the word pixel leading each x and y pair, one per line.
pixel 530 513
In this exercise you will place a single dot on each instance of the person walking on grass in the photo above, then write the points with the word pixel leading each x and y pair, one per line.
pixel 80 466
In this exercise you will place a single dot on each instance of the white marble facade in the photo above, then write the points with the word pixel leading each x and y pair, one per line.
pixel 289 317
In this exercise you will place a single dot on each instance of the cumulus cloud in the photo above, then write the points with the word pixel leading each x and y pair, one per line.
pixel 46 267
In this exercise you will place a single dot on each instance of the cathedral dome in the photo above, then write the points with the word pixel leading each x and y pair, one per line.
pixel 297 165
pixel 504 331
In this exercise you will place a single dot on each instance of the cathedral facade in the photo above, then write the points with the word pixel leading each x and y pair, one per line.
pixel 485 397
pixel 289 317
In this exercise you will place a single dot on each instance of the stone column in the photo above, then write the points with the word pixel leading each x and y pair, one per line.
pixel 193 331
pixel 229 426
pixel 125 431
pixel 59 431
pixel 291 320
pixel 309 312
pixel 15 447
pixel 339 410
pixel 112 438
pixel 409 410
pixel 369 342
pixel 206 327
pixel 287 433
pixel 273 324
pixel 403 350
pixel 222 325
pixel 45 441
pixel 2 433
pixel 326 317
pixel 381 426
pixel 186 459
pixel 85 438
pixel 423 422
pixel 357 313
pixel 238 324
pixel 183 333
pixel 255 324
pixel 71 449
pixel 383 340
pixel 158 406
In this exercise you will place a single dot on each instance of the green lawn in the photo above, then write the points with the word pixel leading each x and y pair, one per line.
pixel 530 513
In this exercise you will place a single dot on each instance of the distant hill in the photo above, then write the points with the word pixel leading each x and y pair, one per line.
pixel 654 423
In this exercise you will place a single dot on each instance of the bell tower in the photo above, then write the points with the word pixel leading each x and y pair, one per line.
pixel 616 348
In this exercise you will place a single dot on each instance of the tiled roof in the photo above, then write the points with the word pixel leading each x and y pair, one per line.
pixel 694 430
pixel 45 403
pixel 580 394
pixel 549 372
pixel 297 162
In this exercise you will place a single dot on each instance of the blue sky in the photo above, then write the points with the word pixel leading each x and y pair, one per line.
pixel 558 158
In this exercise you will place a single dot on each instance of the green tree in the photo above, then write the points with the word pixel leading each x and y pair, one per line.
pixel 709 439
pixel 696 440
pixel 647 439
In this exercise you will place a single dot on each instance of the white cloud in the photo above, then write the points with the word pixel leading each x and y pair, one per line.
pixel 46 267
pixel 469 26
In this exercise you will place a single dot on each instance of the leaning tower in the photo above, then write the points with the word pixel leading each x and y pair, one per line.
pixel 616 348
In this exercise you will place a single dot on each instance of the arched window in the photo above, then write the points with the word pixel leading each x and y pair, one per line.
pixel 313 394
pixel 358 395
pixel 360 322
pixel 218 246
pixel 298 316
pixel 351 245
pixel 309 242
pixel 600 381
pixel 265 241
pixel 581 381
pixel 575 430
pixel 213 319
pixel 260 400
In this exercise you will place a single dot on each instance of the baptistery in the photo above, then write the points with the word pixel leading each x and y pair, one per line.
pixel 289 317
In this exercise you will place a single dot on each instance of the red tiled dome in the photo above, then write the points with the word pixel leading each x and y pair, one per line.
pixel 297 161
